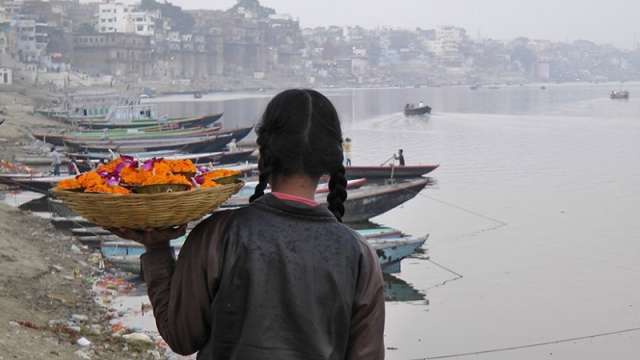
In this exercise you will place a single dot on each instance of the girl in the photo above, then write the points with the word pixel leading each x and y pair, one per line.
pixel 282 278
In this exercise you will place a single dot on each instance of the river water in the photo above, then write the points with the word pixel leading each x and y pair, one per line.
pixel 535 207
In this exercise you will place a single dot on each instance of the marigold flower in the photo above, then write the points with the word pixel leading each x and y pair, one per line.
pixel 69 184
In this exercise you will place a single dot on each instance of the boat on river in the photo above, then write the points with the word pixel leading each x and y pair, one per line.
pixel 125 254
pixel 142 138
pixel 213 143
pixel 39 183
pixel 220 157
pixel 151 132
pixel 416 111
pixel 176 123
pixel 387 172
pixel 364 203
pixel 619 95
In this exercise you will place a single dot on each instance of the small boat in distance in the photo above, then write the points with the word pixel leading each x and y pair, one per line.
pixel 475 87
pixel 197 95
pixel 415 110
pixel 619 94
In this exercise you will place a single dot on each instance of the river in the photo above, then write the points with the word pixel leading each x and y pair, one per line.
pixel 535 207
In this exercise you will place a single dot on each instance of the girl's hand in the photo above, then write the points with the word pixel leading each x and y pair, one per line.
pixel 151 238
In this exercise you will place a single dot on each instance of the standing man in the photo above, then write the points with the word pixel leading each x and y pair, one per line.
pixel 56 161
pixel 346 148
pixel 400 157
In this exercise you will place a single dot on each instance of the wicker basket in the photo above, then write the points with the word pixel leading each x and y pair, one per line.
pixel 143 211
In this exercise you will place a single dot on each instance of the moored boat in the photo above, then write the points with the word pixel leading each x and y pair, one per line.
pixel 386 172
pixel 190 122
pixel 213 143
pixel 392 251
pixel 364 203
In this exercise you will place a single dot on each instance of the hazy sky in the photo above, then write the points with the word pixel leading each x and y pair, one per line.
pixel 602 21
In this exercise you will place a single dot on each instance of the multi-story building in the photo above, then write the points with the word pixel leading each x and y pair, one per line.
pixel 118 54
pixel 5 32
pixel 116 17
pixel 448 45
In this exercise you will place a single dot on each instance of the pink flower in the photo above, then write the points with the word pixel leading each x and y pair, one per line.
pixel 198 179
pixel 113 181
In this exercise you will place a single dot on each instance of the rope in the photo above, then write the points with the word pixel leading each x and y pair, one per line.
pixel 532 345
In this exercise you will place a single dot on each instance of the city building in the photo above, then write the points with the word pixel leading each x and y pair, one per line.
pixel 116 17
pixel 117 54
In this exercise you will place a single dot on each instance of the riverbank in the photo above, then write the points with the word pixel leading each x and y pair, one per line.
pixel 47 297
pixel 16 109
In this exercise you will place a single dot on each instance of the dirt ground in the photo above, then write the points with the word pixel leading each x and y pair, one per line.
pixel 45 296
pixel 16 108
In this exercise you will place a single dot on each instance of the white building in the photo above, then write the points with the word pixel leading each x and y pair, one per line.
pixel 448 44
pixel 115 17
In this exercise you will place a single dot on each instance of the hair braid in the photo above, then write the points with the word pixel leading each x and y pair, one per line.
pixel 266 170
pixel 337 192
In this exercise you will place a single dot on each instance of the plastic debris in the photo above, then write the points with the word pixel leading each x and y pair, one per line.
pixel 84 342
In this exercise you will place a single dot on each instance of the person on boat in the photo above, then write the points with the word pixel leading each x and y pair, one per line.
pixel 56 161
pixel 232 146
pixel 400 157
pixel 282 278
pixel 346 148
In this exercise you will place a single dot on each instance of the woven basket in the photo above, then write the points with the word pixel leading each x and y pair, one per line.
pixel 143 211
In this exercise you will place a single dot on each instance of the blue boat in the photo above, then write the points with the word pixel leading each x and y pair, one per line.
pixel 126 254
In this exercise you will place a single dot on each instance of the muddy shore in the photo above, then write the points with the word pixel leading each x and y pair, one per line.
pixel 46 297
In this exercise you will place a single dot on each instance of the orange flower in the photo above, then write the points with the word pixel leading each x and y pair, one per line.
pixel 132 176
pixel 110 166
pixel 161 168
pixel 103 188
pixel 166 179
pixel 69 184
pixel 181 166
pixel 220 173
pixel 90 179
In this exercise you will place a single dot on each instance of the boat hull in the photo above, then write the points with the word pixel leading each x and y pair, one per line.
pixel 386 172
pixel 365 204
pixel 201 121
pixel 425 110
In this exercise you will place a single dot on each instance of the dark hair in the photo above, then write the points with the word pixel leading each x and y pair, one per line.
pixel 300 134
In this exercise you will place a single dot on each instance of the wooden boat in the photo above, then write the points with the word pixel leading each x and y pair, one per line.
pixel 619 95
pixel 369 202
pixel 143 139
pixel 213 143
pixel 221 157
pixel 423 110
pixel 198 121
pixel 387 172
pixel 378 233
pixel 153 132
pixel 323 188
pixel 392 251
pixel 125 255
pixel 40 184
pixel 362 204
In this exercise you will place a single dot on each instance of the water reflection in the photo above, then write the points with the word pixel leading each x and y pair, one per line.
pixel 396 289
